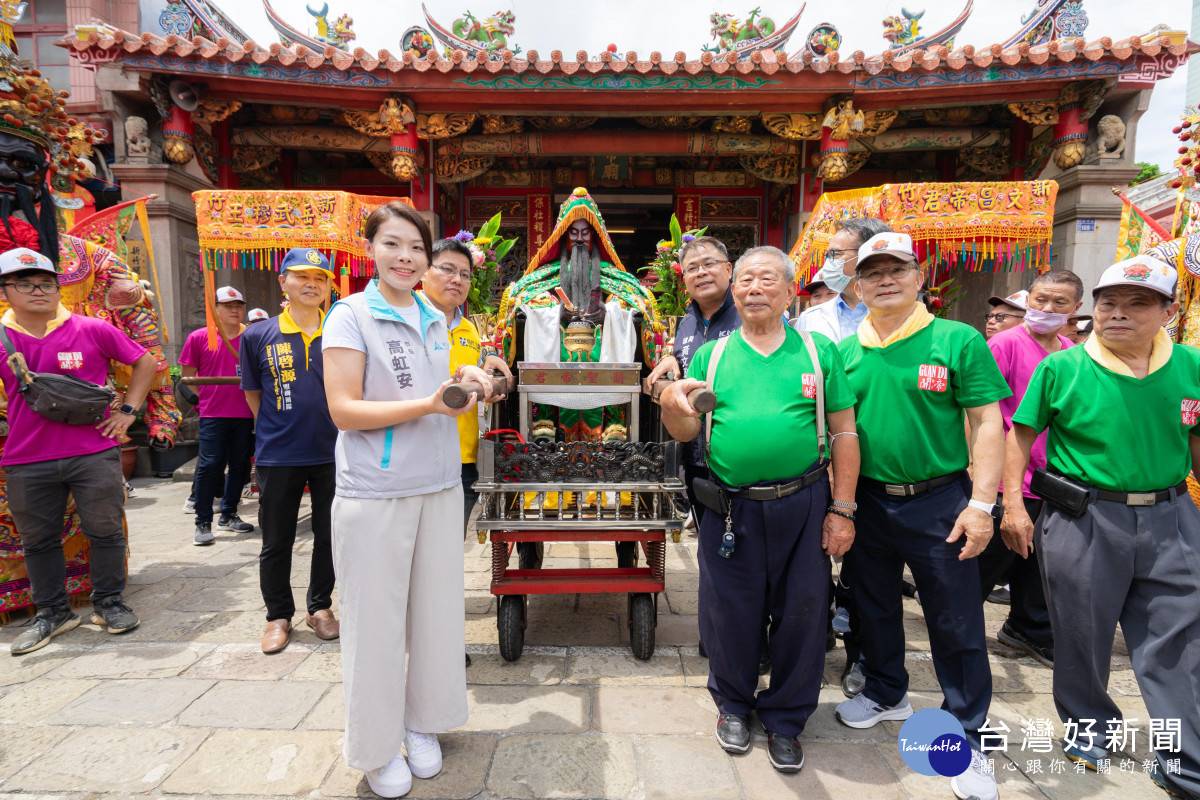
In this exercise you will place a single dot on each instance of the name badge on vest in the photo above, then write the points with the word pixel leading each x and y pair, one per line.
pixel 1189 411
pixel 70 360
pixel 933 378
pixel 809 382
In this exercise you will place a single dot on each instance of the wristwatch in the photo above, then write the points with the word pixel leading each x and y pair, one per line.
pixel 127 409
pixel 845 505
pixel 993 510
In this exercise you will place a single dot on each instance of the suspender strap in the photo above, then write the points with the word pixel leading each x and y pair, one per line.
pixel 710 377
pixel 822 442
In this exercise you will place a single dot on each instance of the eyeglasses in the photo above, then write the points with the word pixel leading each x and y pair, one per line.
pixel 449 271
pixel 707 265
pixel 876 276
pixel 28 287
pixel 853 251
pixel 1000 316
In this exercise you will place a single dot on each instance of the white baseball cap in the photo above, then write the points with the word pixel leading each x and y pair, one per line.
pixel 228 294
pixel 256 314
pixel 890 243
pixel 1143 271
pixel 1019 300
pixel 22 258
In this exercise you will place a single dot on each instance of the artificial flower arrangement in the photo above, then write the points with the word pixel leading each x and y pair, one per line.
pixel 488 249
pixel 664 276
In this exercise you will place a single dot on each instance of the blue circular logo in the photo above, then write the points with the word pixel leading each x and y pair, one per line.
pixel 932 742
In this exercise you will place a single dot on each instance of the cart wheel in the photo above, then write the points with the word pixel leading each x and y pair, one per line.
pixel 627 554
pixel 641 625
pixel 510 619
pixel 529 554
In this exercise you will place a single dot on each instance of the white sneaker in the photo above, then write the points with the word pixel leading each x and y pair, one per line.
pixel 424 753
pixel 975 783
pixel 862 712
pixel 393 779
pixel 189 506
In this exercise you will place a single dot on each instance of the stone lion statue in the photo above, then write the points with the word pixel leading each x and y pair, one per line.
pixel 1110 137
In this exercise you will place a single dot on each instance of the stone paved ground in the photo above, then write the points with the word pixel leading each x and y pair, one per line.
pixel 187 706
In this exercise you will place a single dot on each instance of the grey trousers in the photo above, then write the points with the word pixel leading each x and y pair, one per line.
pixel 1140 567
pixel 37 498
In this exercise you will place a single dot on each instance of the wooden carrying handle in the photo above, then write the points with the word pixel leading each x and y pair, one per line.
pixel 701 398
pixel 455 395
pixel 211 380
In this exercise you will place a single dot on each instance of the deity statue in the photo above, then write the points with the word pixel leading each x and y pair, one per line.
pixel 568 319
pixel 34 143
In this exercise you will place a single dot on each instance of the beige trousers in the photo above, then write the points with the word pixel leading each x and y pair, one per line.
pixel 399 565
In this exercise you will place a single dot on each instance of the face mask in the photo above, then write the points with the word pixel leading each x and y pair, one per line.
pixel 1044 322
pixel 832 274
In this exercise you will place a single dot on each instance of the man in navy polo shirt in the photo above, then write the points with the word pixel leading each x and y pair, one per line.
pixel 282 376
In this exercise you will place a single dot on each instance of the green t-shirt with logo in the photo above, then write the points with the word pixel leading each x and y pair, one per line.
pixel 764 425
pixel 911 395
pixel 1111 431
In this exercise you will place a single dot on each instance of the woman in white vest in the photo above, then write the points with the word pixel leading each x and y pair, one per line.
pixel 397 512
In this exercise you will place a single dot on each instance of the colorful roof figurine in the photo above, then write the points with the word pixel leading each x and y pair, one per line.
pixel 336 35
pixel 903 30
pixel 578 205
pixel 756 34
pixel 1050 20
pixel 188 18
pixel 468 34
pixel 822 40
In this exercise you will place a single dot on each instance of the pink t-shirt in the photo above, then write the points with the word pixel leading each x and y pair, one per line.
pixel 82 347
pixel 216 401
pixel 1017 354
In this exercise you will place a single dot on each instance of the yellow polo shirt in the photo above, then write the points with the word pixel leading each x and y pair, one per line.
pixel 464 351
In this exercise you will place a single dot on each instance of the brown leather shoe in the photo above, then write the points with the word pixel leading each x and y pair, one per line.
pixel 324 624
pixel 275 635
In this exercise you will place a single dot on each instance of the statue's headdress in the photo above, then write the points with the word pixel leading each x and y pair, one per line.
pixel 578 205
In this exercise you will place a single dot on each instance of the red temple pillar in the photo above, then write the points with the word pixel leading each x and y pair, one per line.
pixel 226 177
pixel 1018 148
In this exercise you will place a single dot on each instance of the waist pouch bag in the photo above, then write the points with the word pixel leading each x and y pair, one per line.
pixel 1065 495
pixel 61 398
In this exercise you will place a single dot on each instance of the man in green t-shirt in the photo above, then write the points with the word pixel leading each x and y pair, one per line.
pixel 915 377
pixel 1123 419
pixel 765 550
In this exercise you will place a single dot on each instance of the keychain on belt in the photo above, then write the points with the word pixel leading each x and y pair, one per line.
pixel 727 541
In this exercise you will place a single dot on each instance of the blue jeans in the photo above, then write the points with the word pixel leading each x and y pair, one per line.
pixel 224 442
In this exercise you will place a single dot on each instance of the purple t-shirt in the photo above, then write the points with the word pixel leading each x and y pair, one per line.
pixel 216 401
pixel 1017 354
pixel 82 347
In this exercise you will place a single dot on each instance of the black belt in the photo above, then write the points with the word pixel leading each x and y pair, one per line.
pixel 1143 498
pixel 911 489
pixel 777 491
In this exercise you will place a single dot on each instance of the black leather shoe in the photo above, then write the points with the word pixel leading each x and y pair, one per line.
pixel 853 679
pixel 784 752
pixel 733 732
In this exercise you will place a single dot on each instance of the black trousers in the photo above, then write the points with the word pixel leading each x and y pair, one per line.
pixel 37 499
pixel 892 532
pixel 470 474
pixel 778 569
pixel 280 492
pixel 1028 614
pixel 224 443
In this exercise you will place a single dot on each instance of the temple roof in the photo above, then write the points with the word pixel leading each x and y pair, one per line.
pixel 98 43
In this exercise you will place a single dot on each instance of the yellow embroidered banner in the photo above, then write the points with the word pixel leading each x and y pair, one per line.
pixel 973 226
pixel 253 229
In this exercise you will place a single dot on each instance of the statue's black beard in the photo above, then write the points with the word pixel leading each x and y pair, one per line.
pixel 46 223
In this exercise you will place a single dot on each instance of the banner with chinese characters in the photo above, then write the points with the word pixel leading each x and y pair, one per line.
pixel 541 220
pixel 687 210
pixel 1137 232
pixel 253 229
pixel 977 227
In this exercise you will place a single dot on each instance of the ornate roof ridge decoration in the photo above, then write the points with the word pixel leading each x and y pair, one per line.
pixel 101 43
pixel 334 36
pixel 444 126
pixel 467 34
pixel 903 31
pixel 744 40
pixel 1050 20
pixel 191 17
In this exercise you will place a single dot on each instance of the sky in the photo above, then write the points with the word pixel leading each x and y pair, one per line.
pixel 672 25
